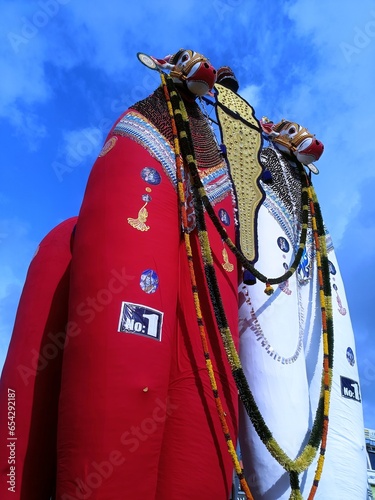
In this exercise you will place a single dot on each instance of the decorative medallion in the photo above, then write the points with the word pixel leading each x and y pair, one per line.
pixel 283 244
pixel 350 356
pixel 110 144
pixel 151 176
pixel 149 281
pixel 224 217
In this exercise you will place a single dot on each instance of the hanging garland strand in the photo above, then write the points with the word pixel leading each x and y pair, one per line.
pixel 294 467
pixel 240 256
pixel 170 95
pixel 327 325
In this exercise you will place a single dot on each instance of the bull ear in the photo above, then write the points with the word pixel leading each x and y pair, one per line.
pixel 147 60
pixel 153 62
pixel 313 168
pixel 167 58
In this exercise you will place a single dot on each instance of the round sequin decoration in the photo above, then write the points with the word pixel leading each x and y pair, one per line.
pixel 224 217
pixel 350 356
pixel 146 197
pixel 332 268
pixel 151 176
pixel 108 146
pixel 149 281
pixel 283 244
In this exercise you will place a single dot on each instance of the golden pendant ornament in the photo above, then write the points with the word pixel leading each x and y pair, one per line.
pixel 140 222
pixel 226 264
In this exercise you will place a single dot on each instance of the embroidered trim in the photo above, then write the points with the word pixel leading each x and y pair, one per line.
pixel 137 127
pixel 217 184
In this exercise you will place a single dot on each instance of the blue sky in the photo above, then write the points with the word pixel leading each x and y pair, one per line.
pixel 69 68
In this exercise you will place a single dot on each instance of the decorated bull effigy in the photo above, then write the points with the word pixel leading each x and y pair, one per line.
pixel 194 272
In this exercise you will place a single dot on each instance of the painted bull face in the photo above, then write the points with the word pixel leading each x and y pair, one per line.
pixel 195 70
pixel 186 66
pixel 293 139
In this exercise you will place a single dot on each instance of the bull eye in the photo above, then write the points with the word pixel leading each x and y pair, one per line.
pixel 291 130
pixel 317 142
pixel 185 57
pixel 206 65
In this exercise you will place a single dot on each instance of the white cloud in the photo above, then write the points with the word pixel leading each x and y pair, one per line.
pixel 23 75
pixel 79 147
pixel 346 210
pixel 331 95
pixel 251 93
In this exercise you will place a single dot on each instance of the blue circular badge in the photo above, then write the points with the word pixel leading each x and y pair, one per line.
pixel 149 281
pixel 350 356
pixel 151 176
pixel 224 217
pixel 283 244
pixel 146 197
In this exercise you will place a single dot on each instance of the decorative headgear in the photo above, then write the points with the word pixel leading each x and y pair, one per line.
pixel 186 66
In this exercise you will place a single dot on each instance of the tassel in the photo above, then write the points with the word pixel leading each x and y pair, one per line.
pixel 268 290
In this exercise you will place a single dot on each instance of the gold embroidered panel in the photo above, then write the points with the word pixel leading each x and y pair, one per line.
pixel 241 134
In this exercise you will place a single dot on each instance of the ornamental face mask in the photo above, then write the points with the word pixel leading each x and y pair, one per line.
pixel 292 138
pixel 188 67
